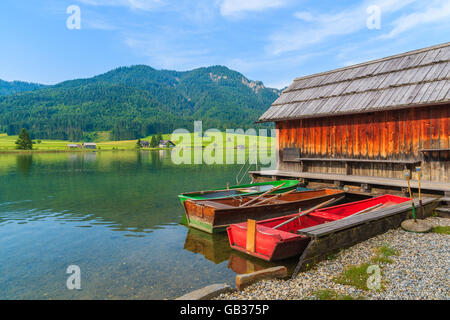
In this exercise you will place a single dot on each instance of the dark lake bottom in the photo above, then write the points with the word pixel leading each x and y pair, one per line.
pixel 116 216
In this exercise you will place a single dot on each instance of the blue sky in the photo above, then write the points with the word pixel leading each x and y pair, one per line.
pixel 269 40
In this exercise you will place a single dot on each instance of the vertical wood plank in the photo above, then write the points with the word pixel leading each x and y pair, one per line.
pixel 309 137
pixel 303 137
pixel 376 135
pixel 323 137
pixel 384 136
pixel 397 133
pixel 251 235
pixel 280 127
pixel 370 136
pixel 333 138
pixel 425 138
pixel 409 134
pixel 401 135
pixel 363 139
pixel 444 135
pixel 329 138
pixel 415 127
pixel 352 124
pixel 445 143
pixel 445 130
pixel 390 135
pixel 345 136
pixel 338 136
pixel 435 143
pixel 319 130
pixel 425 130
pixel 435 127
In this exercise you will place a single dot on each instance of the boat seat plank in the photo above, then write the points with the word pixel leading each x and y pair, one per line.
pixel 328 216
pixel 276 201
pixel 215 204
pixel 338 225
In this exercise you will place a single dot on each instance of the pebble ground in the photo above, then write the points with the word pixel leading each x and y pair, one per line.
pixel 420 270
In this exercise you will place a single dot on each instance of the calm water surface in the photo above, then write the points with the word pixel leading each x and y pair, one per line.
pixel 115 215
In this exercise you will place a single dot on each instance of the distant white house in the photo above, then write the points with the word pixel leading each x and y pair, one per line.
pixel 73 146
pixel 90 145
pixel 166 144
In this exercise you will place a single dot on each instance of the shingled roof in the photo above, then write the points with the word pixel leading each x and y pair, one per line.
pixel 415 78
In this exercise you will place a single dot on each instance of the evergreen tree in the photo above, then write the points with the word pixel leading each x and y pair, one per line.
pixel 153 142
pixel 159 138
pixel 24 142
pixel 138 143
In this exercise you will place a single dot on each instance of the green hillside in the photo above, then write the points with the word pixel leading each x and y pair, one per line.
pixel 137 101
pixel 7 88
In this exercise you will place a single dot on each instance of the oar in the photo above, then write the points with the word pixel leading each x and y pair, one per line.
pixel 227 189
pixel 274 197
pixel 262 195
pixel 363 211
pixel 408 177
pixel 419 174
pixel 212 191
pixel 309 211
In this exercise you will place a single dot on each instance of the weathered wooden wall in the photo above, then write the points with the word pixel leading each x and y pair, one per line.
pixel 384 135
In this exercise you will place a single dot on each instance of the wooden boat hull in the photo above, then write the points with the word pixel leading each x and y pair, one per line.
pixel 277 244
pixel 214 194
pixel 216 216
pixel 269 247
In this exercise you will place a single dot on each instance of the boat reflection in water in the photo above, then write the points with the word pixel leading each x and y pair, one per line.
pixel 216 248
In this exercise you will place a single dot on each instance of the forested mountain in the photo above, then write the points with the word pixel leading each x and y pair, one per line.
pixel 12 87
pixel 136 101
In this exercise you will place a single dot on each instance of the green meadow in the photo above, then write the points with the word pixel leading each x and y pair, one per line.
pixel 236 141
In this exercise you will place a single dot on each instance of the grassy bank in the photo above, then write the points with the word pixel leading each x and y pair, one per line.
pixel 7 143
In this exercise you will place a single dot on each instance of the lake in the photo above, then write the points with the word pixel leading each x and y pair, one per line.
pixel 116 216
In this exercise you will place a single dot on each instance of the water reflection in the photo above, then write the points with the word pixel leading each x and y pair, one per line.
pixel 89 156
pixel 24 163
pixel 116 215
pixel 216 248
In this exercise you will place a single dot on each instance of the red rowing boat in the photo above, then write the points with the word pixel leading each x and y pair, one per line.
pixel 283 242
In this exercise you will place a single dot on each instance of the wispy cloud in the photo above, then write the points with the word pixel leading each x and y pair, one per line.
pixel 270 65
pixel 237 7
pixel 315 27
pixel 132 4
pixel 439 11
pixel 165 51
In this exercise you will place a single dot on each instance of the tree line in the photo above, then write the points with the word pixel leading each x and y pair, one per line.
pixel 136 102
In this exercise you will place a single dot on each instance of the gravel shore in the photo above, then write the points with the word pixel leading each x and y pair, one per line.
pixel 419 269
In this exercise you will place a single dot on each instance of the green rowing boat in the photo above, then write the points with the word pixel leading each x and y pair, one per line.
pixel 238 191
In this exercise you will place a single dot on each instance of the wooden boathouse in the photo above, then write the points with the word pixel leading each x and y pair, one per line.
pixel 362 126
